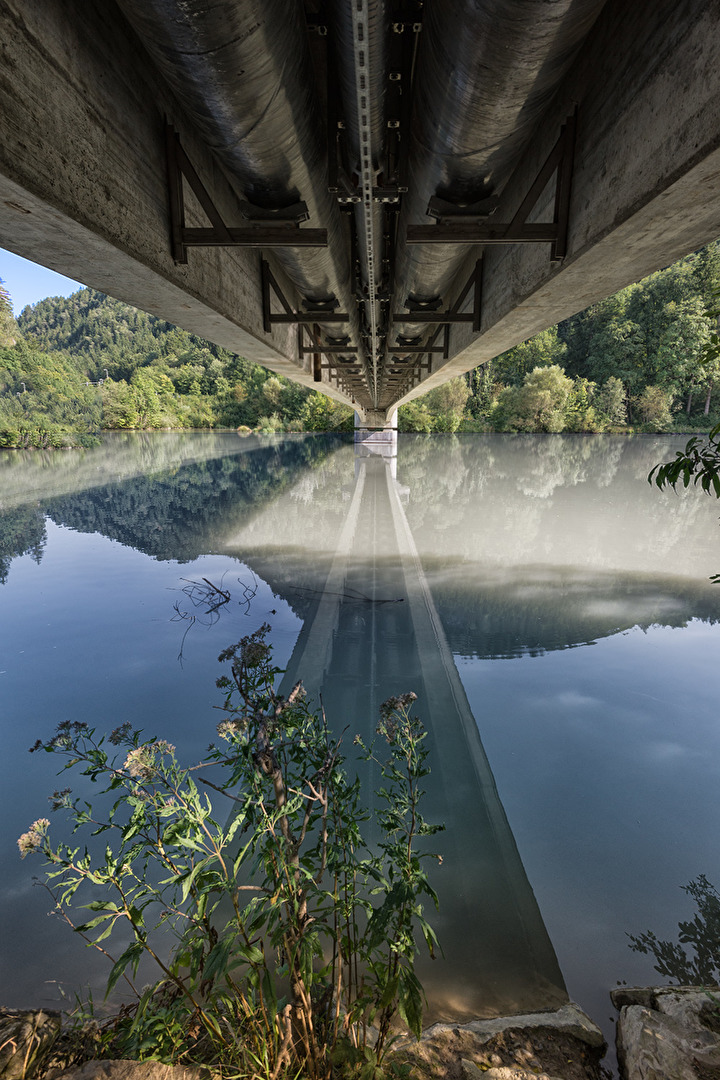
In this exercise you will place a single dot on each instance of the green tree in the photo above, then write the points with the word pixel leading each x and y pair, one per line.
pixel 415 416
pixel 9 332
pixel 653 408
pixel 542 350
pixel 580 414
pixel 321 413
pixel 119 406
pixel 610 403
pixel 538 405
pixel 446 404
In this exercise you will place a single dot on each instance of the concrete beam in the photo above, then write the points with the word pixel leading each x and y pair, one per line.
pixel 83 186
pixel 646 184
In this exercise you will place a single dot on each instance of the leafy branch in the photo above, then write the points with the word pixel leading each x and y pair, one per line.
pixel 294 939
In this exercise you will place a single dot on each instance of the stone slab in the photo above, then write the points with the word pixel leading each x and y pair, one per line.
pixel 667 1033
pixel 569 1019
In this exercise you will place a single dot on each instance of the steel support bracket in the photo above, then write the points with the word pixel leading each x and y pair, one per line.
pixel 442 321
pixel 269 234
pixel 453 314
pixel 269 285
pixel 519 231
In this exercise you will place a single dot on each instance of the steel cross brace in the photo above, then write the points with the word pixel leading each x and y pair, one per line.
pixel 453 314
pixel 281 234
pixel 518 231
pixel 270 285
pixel 442 321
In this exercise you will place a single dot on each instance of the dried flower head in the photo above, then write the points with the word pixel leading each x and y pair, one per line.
pixel 120 734
pixel 60 800
pixel 398 703
pixel 229 729
pixel 66 734
pixel 140 762
pixel 33 838
pixel 255 653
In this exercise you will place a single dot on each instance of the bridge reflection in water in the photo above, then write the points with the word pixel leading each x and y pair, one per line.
pixel 372 630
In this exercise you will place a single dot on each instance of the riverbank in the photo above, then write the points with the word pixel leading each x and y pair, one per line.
pixel 664 1033
pixel 560 1045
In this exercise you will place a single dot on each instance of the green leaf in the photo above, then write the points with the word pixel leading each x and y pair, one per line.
pixel 84 927
pixel 188 881
pixel 269 995
pixel 410 1001
pixel 217 959
pixel 131 956
pixel 249 953
pixel 102 905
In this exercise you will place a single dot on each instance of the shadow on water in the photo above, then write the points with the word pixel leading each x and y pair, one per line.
pixel 372 632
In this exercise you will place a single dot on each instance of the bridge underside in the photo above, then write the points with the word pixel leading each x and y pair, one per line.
pixel 367 196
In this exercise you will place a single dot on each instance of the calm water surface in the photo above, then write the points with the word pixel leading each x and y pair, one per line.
pixel 551 610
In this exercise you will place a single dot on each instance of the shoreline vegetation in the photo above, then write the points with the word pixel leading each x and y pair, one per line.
pixel 284 941
pixel 640 361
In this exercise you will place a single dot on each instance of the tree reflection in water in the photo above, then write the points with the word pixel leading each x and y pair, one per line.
pixel 693 960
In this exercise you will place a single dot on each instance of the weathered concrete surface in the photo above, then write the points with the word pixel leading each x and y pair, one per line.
pixel 646 184
pixel 569 1019
pixel 83 185
pixel 668 1033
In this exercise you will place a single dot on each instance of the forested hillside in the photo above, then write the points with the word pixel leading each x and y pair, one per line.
pixel 635 359
pixel 71 367
pixel 127 370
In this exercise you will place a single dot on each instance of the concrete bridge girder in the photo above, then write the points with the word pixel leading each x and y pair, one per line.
pixel 83 180
pixel 646 180
pixel 83 186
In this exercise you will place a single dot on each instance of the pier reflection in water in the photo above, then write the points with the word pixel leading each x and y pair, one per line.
pixel 372 632
pixel 504 553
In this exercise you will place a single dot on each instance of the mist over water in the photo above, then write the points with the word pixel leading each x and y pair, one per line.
pixel 551 610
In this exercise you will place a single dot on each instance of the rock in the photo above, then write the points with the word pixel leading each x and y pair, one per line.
pixel 650 1046
pixel 570 1020
pixel 657 1046
pixel 505 1072
pixel 633 995
pixel 665 1032
pixel 501 1072
pixel 26 1039
pixel 135 1070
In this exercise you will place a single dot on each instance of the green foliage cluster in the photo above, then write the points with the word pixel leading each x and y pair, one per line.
pixel 45 401
pixel 643 359
pixel 639 358
pixel 88 362
pixel 293 941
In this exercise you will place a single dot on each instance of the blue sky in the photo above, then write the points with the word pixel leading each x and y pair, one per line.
pixel 27 282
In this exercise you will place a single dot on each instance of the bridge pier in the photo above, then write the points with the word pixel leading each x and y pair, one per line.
pixel 377 432
pixel 376 426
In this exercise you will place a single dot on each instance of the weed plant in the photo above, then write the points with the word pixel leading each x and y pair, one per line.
pixel 293 940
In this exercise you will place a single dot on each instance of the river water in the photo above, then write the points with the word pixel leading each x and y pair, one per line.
pixel 551 610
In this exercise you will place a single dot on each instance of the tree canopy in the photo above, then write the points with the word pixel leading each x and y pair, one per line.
pixel 647 358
